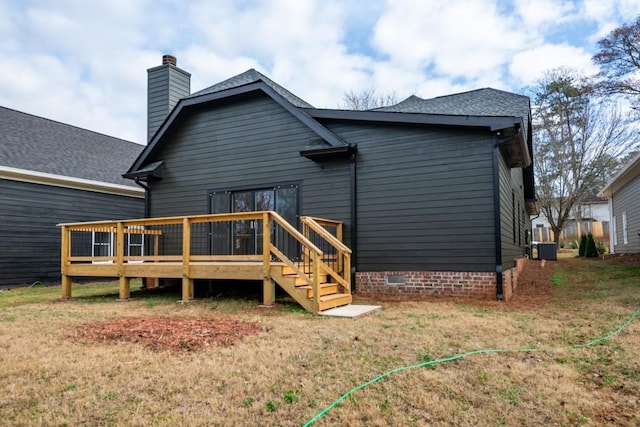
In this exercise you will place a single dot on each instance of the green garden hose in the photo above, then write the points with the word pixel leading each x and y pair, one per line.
pixel 462 356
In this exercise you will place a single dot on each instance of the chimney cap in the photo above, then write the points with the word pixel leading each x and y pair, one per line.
pixel 169 60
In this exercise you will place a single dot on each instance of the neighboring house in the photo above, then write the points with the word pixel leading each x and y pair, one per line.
pixel 590 216
pixel 51 172
pixel 435 194
pixel 623 192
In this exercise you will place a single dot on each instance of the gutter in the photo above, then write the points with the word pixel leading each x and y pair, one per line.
pixel 496 218
pixel 354 219
pixel 44 178
pixel 147 196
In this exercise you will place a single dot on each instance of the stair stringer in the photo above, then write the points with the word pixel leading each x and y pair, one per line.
pixel 288 283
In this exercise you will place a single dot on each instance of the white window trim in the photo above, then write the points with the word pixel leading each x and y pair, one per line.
pixel 139 245
pixel 614 232
pixel 109 245
pixel 625 235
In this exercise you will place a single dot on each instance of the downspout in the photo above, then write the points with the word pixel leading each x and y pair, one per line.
pixel 147 196
pixel 496 220
pixel 354 218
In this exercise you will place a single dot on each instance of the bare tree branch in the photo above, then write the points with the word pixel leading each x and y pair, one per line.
pixel 368 99
pixel 579 140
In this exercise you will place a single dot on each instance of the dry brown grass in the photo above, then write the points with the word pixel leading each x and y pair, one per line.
pixel 299 364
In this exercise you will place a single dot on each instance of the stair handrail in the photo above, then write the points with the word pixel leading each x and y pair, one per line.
pixel 333 240
pixel 316 257
pixel 343 275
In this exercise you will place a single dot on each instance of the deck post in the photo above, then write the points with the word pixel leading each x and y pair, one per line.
pixel 268 286
pixel 64 260
pixel 315 268
pixel 187 281
pixel 125 288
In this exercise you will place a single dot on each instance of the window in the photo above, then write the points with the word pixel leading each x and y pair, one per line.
pixel 101 245
pixel 135 242
pixel 614 232
pixel 625 237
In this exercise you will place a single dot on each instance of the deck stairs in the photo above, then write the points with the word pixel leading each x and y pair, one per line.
pixel 297 282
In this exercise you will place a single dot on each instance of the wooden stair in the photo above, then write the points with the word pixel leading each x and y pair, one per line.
pixel 299 287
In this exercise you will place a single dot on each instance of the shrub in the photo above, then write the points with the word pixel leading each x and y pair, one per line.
pixel 601 247
pixel 590 250
pixel 573 244
pixel 583 244
pixel 562 244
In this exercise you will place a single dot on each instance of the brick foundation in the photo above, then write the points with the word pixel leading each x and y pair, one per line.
pixel 510 278
pixel 414 284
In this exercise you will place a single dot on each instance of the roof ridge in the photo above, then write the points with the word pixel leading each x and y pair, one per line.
pixel 248 77
pixel 477 90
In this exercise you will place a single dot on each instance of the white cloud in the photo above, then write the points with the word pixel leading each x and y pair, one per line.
pixel 529 65
pixel 84 63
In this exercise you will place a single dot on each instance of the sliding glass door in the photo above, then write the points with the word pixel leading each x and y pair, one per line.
pixel 245 237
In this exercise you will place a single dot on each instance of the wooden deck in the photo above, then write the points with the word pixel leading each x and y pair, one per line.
pixel 313 266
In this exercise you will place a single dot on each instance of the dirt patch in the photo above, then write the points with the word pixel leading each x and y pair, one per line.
pixel 632 260
pixel 534 289
pixel 169 333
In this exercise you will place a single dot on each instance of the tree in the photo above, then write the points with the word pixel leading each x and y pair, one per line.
pixel 578 140
pixel 590 250
pixel 368 99
pixel 619 60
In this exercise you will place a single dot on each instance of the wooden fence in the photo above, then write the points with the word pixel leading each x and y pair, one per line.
pixel 573 231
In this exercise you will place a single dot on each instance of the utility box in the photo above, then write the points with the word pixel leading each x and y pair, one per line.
pixel 548 251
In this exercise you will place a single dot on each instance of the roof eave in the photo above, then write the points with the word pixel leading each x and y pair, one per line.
pixel 493 123
pixel 623 177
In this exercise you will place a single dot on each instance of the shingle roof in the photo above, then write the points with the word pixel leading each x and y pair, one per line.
pixel 42 145
pixel 479 102
pixel 252 76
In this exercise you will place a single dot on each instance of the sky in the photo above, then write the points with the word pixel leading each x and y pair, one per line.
pixel 84 62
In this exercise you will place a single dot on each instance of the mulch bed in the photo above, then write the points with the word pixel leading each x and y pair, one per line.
pixel 169 333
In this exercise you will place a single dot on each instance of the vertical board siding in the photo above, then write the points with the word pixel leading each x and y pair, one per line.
pixel 627 199
pixel 246 144
pixel 425 198
pixel 29 238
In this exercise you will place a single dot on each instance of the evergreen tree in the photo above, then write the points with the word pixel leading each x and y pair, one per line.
pixel 583 245
pixel 590 250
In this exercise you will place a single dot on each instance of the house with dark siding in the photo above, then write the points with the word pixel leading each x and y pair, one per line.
pixel 435 194
pixel 51 172
pixel 623 193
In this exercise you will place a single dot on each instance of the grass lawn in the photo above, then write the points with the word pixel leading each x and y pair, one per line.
pixel 300 364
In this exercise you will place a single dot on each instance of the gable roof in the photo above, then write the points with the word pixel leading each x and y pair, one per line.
pixel 245 83
pixel 50 148
pixel 253 76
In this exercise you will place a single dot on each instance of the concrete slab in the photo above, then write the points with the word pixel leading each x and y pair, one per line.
pixel 350 311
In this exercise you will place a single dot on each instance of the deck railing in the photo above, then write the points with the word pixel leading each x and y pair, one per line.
pixel 241 245
pixel 328 236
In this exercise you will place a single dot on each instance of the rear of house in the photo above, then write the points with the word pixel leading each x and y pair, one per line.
pixel 434 201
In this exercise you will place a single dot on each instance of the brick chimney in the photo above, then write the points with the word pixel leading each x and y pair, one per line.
pixel 166 85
